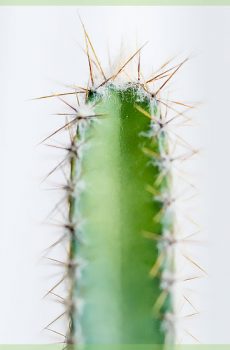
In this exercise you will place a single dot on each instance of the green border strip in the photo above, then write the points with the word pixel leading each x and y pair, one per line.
pixel 116 2
pixel 115 347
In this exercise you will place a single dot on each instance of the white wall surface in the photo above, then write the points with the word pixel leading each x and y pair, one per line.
pixel 39 55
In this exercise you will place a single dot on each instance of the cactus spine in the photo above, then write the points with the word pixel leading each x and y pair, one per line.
pixel 120 224
pixel 122 201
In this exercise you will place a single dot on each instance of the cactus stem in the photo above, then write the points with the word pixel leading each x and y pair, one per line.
pixel 121 227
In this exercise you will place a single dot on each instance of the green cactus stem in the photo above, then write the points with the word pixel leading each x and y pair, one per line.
pixel 125 206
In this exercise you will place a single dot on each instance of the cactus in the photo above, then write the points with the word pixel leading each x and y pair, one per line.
pixel 126 203
pixel 120 225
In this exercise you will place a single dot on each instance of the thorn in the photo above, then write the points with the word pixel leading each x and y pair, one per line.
pixel 94 52
pixel 71 123
pixel 160 301
pixel 139 67
pixel 69 105
pixel 143 111
pixel 152 236
pixel 191 278
pixel 55 260
pixel 55 286
pixel 57 95
pixel 113 77
pixel 52 330
pixel 160 74
pixel 87 53
pixel 189 302
pixel 55 168
pixel 59 129
pixel 192 336
pixel 191 315
pixel 58 296
pixel 125 64
pixel 55 320
pixel 151 153
pixel 167 80
pixel 55 243
pixel 194 263
pixel 156 267
pixel 151 190
pixel 181 104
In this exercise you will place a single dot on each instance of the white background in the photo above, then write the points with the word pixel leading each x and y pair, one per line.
pixel 39 55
